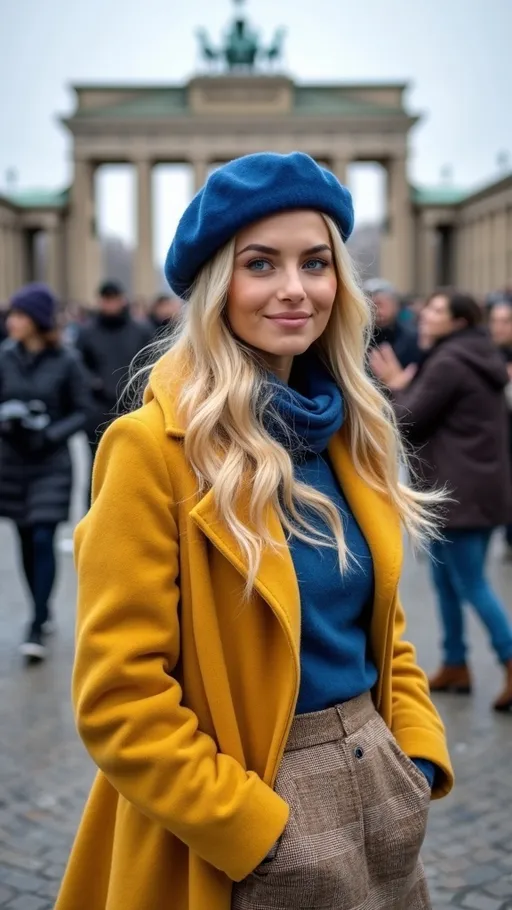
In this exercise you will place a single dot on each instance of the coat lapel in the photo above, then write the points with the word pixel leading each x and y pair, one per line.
pixel 276 580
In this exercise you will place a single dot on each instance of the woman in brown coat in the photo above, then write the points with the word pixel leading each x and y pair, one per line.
pixel 454 411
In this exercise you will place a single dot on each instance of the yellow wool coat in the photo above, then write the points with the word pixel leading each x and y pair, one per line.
pixel 184 695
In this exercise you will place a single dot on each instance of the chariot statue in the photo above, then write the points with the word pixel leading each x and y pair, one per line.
pixel 242 49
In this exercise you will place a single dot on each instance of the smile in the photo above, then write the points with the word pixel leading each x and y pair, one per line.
pixel 290 320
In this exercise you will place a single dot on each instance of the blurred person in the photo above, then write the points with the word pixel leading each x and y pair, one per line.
pixel 164 313
pixel 108 342
pixel 500 325
pixel 3 328
pixel 389 328
pixel 454 409
pixel 43 401
pixel 238 575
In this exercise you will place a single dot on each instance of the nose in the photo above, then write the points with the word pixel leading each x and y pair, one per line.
pixel 292 288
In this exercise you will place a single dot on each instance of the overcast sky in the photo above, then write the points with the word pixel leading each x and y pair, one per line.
pixel 454 53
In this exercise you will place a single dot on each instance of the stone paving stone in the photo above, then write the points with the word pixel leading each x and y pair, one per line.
pixel 45 773
pixel 24 902
pixel 481 902
pixel 500 888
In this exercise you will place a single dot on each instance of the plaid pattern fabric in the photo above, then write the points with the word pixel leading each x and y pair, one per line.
pixel 358 817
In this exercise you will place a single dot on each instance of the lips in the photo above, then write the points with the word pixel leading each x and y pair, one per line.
pixel 290 321
pixel 298 315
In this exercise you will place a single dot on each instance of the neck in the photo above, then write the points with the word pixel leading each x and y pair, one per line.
pixel 34 344
pixel 280 366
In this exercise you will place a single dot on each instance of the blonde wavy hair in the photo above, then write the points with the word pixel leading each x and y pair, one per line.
pixel 225 393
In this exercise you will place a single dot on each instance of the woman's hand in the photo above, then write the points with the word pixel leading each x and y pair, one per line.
pixel 387 368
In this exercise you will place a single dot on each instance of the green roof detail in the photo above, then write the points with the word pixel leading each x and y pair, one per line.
pixel 39 199
pixel 439 195
pixel 162 102
pixel 323 100
pixel 153 103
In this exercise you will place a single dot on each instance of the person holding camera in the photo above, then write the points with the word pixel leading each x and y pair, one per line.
pixel 44 399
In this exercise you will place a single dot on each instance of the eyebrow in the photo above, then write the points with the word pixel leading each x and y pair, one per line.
pixel 271 251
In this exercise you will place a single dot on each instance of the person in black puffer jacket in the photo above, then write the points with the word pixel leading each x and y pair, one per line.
pixel 44 399
pixel 108 343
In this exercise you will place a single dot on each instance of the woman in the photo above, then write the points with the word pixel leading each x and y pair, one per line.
pixel 240 659
pixel 43 401
pixel 455 410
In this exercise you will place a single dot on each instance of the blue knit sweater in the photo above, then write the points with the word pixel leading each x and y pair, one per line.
pixel 336 662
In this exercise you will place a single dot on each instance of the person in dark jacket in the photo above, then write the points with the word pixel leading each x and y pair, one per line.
pixel 108 343
pixel 500 325
pixel 44 400
pixel 455 410
pixel 389 329
pixel 164 314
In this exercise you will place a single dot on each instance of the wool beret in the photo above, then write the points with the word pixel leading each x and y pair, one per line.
pixel 244 191
pixel 37 301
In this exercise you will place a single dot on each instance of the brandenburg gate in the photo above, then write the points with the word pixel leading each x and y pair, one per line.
pixel 240 105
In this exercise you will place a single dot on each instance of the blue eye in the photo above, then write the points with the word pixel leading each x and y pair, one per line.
pixel 258 265
pixel 314 265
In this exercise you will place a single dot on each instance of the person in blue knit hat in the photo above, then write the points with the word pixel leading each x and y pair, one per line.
pixel 44 400
pixel 263 734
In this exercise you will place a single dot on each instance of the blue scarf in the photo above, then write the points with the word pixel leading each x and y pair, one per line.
pixel 311 408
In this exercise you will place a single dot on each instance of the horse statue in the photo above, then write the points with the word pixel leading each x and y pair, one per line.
pixel 274 52
pixel 209 53
pixel 241 47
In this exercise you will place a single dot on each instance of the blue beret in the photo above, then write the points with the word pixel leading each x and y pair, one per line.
pixel 244 191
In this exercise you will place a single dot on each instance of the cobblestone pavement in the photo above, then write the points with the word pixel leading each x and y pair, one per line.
pixel 45 773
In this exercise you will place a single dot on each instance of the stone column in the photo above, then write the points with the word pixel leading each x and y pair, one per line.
pixel 509 245
pixel 8 261
pixel 144 270
pixel 487 253
pixel 15 272
pixel 429 243
pixel 397 250
pixel 500 250
pixel 53 275
pixel 339 167
pixel 200 171
pixel 4 291
pixel 84 258
pixel 474 256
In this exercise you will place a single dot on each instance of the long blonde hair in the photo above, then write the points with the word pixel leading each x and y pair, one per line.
pixel 225 393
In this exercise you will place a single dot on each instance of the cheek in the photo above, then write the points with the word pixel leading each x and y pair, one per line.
pixel 325 296
pixel 243 302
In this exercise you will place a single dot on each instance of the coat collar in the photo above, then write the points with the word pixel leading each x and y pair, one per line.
pixel 276 580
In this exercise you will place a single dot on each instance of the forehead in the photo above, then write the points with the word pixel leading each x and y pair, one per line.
pixel 302 229
pixel 439 302
pixel 501 313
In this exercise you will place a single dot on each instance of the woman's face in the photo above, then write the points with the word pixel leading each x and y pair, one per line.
pixel 20 327
pixel 436 320
pixel 283 287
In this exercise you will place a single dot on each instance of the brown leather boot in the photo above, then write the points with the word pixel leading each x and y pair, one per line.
pixel 504 701
pixel 452 679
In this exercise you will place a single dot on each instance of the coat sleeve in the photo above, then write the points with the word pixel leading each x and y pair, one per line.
pixel 421 407
pixel 416 725
pixel 128 705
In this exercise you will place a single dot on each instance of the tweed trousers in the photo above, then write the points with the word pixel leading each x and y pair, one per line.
pixel 358 814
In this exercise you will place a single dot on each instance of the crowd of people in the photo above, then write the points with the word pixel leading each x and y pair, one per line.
pixel 284 405
pixel 58 377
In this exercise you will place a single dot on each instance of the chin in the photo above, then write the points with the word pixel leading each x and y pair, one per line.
pixel 290 347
